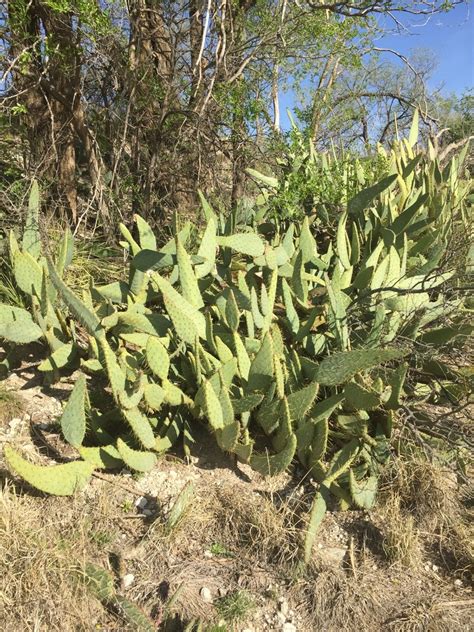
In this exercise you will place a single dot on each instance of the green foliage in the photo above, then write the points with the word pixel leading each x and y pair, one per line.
pixel 298 335
pixel 102 585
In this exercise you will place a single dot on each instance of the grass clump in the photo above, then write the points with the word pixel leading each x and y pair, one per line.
pixel 235 606
pixel 11 405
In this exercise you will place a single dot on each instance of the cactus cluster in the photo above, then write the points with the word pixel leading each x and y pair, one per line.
pixel 285 348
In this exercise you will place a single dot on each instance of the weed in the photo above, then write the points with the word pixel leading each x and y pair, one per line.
pixel 220 550
pixel 11 405
pixel 235 606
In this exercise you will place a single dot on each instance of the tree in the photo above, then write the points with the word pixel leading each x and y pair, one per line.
pixel 130 108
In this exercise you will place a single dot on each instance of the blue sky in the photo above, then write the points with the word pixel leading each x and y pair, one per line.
pixel 451 37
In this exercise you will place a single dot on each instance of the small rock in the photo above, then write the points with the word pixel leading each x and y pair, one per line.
pixel 458 583
pixel 280 617
pixel 206 594
pixel 248 630
pixel 147 512
pixel 288 627
pixel 334 555
pixel 427 567
pixel 222 592
pixel 283 606
pixel 435 568
pixel 208 554
pixel 127 580
pixel 141 502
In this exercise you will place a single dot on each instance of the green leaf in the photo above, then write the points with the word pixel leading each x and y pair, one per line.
pixel 180 505
pixel 246 403
pixel 212 406
pixel 28 273
pixel 232 313
pixel 318 511
pixel 99 581
pixel 207 250
pixel 414 129
pixel 269 181
pixel 261 369
pixel 84 315
pixel 341 240
pixel 342 460
pixel 324 408
pixel 58 480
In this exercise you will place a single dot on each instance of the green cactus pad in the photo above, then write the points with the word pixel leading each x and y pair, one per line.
pixel 188 321
pixel 58 480
pixel 212 406
pixel 20 331
pixel 59 358
pixel 31 242
pixel 271 464
pixel 246 243
pixel 73 419
pixel 341 367
pixel 261 370
pixel 28 273
pixel 187 278
pixel 105 457
pixel 363 492
pixel 359 398
pixel 140 427
pixel 136 459
pixel 157 358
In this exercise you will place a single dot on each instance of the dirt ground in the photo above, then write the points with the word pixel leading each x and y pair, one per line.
pixel 229 561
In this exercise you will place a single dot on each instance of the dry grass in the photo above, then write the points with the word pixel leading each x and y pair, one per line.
pixel 44 543
pixel 237 540
pixel 11 405
pixel 423 499
pixel 401 541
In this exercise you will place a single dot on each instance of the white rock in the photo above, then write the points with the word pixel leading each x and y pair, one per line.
pixel 283 606
pixel 457 582
pixel 280 617
pixel 333 555
pixel 288 627
pixel 206 594
pixel 127 580
pixel 141 502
